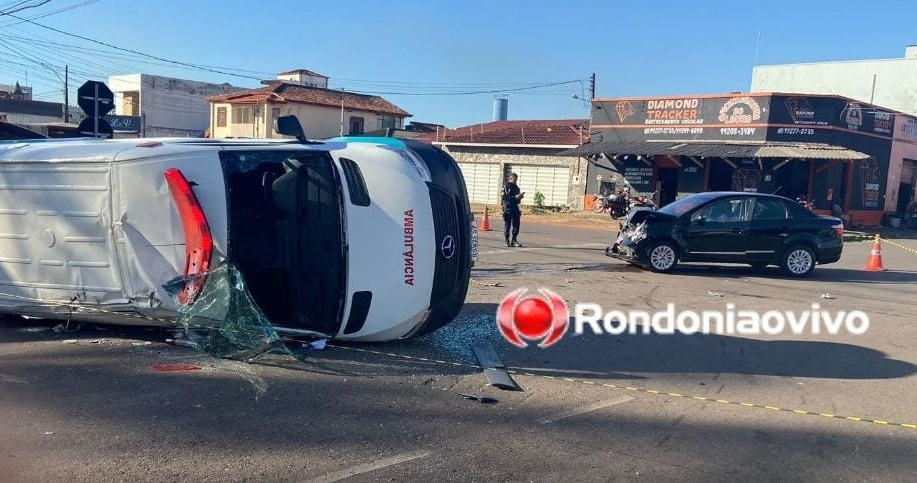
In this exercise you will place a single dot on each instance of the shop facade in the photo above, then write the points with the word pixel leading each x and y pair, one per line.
pixel 828 149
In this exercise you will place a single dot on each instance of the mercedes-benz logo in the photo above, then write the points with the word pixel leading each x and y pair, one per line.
pixel 447 247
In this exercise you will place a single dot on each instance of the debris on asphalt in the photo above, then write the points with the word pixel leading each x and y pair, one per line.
pixel 480 399
pixel 146 342
pixel 316 344
pixel 494 370
pixel 827 296
pixel 181 343
pixel 48 433
pixel 179 367
pixel 487 284
pixel 714 294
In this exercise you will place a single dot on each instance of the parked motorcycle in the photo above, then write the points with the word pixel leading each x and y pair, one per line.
pixel 623 203
pixel 643 201
pixel 619 205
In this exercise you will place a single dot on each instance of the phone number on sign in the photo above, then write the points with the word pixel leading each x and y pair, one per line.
pixel 737 131
pixel 673 130
pixel 795 131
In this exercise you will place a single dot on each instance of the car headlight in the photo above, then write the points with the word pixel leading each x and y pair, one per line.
pixel 418 165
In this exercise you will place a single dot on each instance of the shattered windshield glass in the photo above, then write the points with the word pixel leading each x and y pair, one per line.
pixel 224 320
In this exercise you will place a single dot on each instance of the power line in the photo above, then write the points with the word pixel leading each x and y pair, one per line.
pixel 16 8
pixel 54 12
pixel 468 93
pixel 176 62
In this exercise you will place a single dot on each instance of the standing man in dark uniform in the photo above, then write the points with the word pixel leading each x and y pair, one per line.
pixel 511 213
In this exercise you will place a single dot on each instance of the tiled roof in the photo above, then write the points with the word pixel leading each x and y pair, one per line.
pixel 559 132
pixel 281 93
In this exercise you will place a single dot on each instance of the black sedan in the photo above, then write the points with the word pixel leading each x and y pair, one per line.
pixel 726 227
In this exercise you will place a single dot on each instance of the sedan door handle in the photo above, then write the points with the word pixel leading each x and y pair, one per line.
pixel 737 230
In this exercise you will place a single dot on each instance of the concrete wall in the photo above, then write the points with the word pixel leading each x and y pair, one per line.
pixel 169 107
pixel 530 156
pixel 894 80
pixel 18 118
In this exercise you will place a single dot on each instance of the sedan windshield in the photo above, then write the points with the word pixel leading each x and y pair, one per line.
pixel 684 205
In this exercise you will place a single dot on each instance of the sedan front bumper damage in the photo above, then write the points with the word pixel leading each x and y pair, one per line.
pixel 627 245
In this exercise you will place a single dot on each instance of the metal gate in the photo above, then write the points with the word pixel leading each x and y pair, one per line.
pixel 553 182
pixel 483 182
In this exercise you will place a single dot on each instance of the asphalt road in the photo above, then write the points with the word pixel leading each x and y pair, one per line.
pixel 92 406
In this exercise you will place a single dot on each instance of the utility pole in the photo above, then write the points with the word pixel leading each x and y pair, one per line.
pixel 342 112
pixel 592 86
pixel 66 94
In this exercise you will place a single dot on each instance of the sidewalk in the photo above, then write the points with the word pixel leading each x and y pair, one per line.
pixel 579 219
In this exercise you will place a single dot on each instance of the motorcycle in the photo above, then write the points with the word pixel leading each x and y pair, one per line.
pixel 623 203
pixel 619 205
pixel 643 201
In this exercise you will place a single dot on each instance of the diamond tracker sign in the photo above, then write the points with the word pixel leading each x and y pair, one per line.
pixel 96 100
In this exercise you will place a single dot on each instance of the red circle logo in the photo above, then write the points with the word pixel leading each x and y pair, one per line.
pixel 532 318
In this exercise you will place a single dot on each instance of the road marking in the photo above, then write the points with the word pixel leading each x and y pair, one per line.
pixel 531 249
pixel 586 409
pixel 373 466
pixel 643 390
pixel 12 379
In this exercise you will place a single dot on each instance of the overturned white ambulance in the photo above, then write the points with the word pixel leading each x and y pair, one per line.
pixel 355 239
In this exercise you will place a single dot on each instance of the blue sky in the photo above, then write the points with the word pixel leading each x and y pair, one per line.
pixel 413 47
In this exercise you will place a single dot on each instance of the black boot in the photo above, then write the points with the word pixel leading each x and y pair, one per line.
pixel 508 243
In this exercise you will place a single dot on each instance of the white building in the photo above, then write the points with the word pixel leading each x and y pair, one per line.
pixel 303 77
pixel 885 82
pixel 167 106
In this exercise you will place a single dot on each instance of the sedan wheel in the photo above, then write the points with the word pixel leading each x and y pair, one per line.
pixel 798 261
pixel 663 257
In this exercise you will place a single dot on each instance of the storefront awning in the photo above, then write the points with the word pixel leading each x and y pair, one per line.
pixel 718 150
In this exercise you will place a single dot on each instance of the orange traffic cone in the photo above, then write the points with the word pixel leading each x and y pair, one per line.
pixel 485 221
pixel 875 257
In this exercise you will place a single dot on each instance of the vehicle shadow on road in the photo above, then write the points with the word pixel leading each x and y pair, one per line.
pixel 591 355
pixel 821 274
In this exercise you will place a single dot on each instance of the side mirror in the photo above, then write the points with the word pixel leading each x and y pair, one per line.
pixel 290 126
pixel 698 220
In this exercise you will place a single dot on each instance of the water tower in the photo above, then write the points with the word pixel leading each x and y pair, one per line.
pixel 501 106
